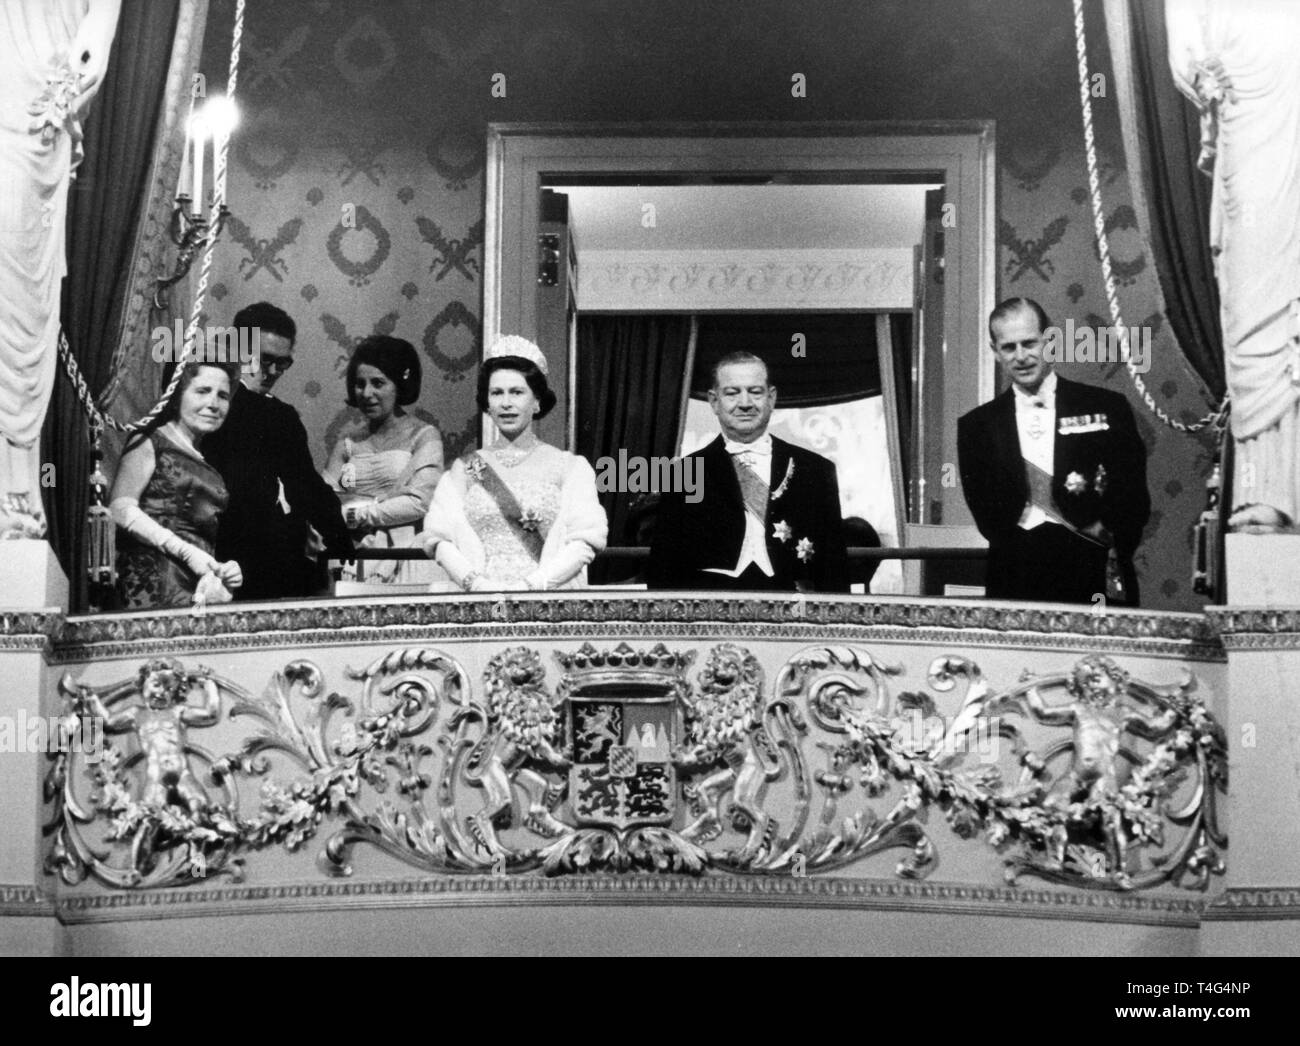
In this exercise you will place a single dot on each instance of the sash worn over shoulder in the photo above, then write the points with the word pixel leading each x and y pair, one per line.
pixel 753 491
pixel 531 532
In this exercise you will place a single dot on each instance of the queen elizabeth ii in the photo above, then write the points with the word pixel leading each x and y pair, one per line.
pixel 518 514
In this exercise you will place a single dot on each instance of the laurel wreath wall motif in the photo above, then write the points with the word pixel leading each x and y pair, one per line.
pixel 364 54
pixel 455 314
pixel 456 155
pixel 359 272
pixel 1126 270
pixel 268 136
pixel 629 764
pixel 1030 167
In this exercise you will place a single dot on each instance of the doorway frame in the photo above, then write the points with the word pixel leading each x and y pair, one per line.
pixel 522 156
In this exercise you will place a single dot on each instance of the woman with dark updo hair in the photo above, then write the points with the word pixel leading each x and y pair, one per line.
pixel 518 514
pixel 385 472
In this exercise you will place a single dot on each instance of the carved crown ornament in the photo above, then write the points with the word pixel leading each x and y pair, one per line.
pixel 636 760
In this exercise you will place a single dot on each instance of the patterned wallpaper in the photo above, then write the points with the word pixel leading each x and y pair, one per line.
pixel 378 112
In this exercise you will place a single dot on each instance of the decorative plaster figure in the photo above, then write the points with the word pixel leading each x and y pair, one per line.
pixel 1236 60
pixel 55 55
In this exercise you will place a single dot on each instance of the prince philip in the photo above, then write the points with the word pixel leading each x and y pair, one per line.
pixel 1054 473
pixel 769 516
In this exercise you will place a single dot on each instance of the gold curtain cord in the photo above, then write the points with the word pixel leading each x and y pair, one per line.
pixel 97 418
pixel 1217 418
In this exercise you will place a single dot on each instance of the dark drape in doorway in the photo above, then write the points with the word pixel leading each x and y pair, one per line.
pixel 103 212
pixel 812 358
pixel 630 374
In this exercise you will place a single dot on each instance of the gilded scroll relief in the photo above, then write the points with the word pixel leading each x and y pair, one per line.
pixel 628 762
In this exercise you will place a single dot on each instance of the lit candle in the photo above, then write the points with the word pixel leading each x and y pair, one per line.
pixel 198 166
pixel 184 177
pixel 220 117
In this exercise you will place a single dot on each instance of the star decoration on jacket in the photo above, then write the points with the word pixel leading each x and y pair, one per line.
pixel 476 466
pixel 1075 484
pixel 781 531
pixel 529 518
pixel 804 550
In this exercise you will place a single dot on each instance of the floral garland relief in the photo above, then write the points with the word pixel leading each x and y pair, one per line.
pixel 1085 777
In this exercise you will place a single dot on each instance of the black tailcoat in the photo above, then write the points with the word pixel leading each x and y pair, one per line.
pixel 261 445
pixel 709 533
pixel 1098 475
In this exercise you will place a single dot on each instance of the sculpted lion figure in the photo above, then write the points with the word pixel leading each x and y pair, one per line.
pixel 517 746
pixel 727 740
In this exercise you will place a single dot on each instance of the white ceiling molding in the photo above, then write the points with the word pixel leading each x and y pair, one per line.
pixel 704 281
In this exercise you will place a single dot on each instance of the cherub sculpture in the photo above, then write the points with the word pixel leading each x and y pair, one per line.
pixel 160 726
pixel 1099 714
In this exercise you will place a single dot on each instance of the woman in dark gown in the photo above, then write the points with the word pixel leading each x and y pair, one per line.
pixel 167 501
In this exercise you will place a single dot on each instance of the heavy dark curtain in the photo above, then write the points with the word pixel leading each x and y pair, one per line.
pixel 1178 202
pixel 1178 197
pixel 103 212
pixel 630 373
pixel 840 361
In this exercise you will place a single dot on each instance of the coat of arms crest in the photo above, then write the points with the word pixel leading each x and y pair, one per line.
pixel 622 773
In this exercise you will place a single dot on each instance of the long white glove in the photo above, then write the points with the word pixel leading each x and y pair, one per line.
pixel 128 515
pixel 452 560
pixel 458 568
pixel 565 566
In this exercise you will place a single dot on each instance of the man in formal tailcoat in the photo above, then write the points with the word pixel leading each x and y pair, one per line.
pixel 768 517
pixel 1054 473
pixel 276 494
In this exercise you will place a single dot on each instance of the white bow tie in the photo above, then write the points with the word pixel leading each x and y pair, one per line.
pixel 760 448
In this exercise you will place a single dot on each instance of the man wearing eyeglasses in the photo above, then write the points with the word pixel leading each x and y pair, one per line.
pixel 276 494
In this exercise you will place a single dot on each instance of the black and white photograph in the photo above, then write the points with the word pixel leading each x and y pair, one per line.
pixel 588 478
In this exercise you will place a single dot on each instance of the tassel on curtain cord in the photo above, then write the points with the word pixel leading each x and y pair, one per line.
pixel 101 541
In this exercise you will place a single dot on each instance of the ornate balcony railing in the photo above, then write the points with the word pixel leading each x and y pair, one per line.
pixel 773 744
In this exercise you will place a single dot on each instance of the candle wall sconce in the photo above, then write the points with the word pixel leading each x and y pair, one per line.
pixel 189 231
pixel 192 229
